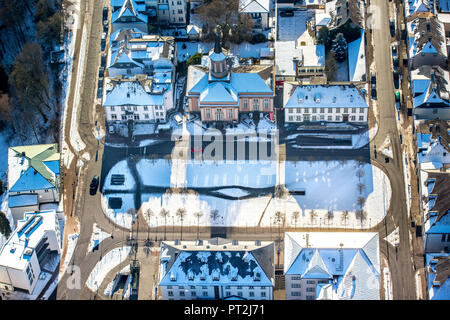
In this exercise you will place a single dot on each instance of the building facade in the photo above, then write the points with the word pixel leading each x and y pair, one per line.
pixel 323 103
pixel 221 94
pixel 331 266
pixel 216 269
pixel 24 254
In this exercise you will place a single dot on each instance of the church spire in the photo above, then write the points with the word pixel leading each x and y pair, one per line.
pixel 217 45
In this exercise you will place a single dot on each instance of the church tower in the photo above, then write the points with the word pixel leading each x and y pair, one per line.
pixel 218 68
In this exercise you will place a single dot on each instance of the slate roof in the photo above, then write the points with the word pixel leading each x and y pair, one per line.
pixel 219 259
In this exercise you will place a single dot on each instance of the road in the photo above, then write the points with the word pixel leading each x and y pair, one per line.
pixel 401 265
pixel 88 211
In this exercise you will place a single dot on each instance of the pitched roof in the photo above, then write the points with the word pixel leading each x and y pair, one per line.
pixel 349 261
pixel 33 167
pixel 131 93
pixel 191 263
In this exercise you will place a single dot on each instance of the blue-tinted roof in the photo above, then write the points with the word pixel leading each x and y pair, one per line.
pixel 22 200
pixel 31 180
pixel 53 166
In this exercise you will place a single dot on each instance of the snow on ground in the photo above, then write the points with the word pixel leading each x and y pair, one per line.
pixel 154 172
pixel 71 244
pixel 148 142
pixel 393 238
pixel 98 235
pixel 386 148
pixel 120 168
pixel 110 286
pixel 344 182
pixel 104 266
pixel 119 216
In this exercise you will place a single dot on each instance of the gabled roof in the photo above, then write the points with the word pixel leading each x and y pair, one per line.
pixel 129 9
pixel 431 97
pixel 254 6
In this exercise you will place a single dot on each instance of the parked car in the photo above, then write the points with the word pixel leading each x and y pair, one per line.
pixel 374 93
pixel 105 13
pixel 395 64
pixel 373 78
pixel 392 27
pixel 111 130
pixel 101 72
pixel 394 51
pixel 396 80
pixel 287 13
pixel 94 186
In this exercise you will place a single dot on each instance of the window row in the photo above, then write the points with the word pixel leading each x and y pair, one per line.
pixel 323 118
pixel 137 117
pixel 322 110
pixel 255 104
pixel 135 108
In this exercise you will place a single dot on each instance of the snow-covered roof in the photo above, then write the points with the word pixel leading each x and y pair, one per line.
pixel 129 9
pixel 322 18
pixel 285 53
pixel 17 251
pixel 192 29
pixel 430 98
pixel 322 96
pixel 429 37
pixel 438 276
pixel 33 167
pixel 357 59
pixel 217 261
pixel 313 55
pixel 255 6
pixel 131 93
pixel 417 6
pixel 349 260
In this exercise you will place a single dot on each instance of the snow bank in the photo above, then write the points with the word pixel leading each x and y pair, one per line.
pixel 104 266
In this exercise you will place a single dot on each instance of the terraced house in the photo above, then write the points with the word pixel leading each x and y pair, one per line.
pixel 221 93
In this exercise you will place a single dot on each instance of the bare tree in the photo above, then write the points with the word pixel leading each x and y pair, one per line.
pixel 360 173
pixel 330 215
pixel 345 216
pixel 360 202
pixel 214 215
pixel 313 215
pixel 361 186
pixel 295 216
pixel 198 215
pixel 361 215
pixel 148 214
pixel 181 214
pixel 164 213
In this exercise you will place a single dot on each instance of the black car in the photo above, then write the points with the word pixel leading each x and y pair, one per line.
pixel 373 79
pixel 94 186
pixel 392 27
pixel 374 93
pixel 105 13
pixel 101 72
pixel 396 80
pixel 394 51
pixel 395 64
pixel 103 61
